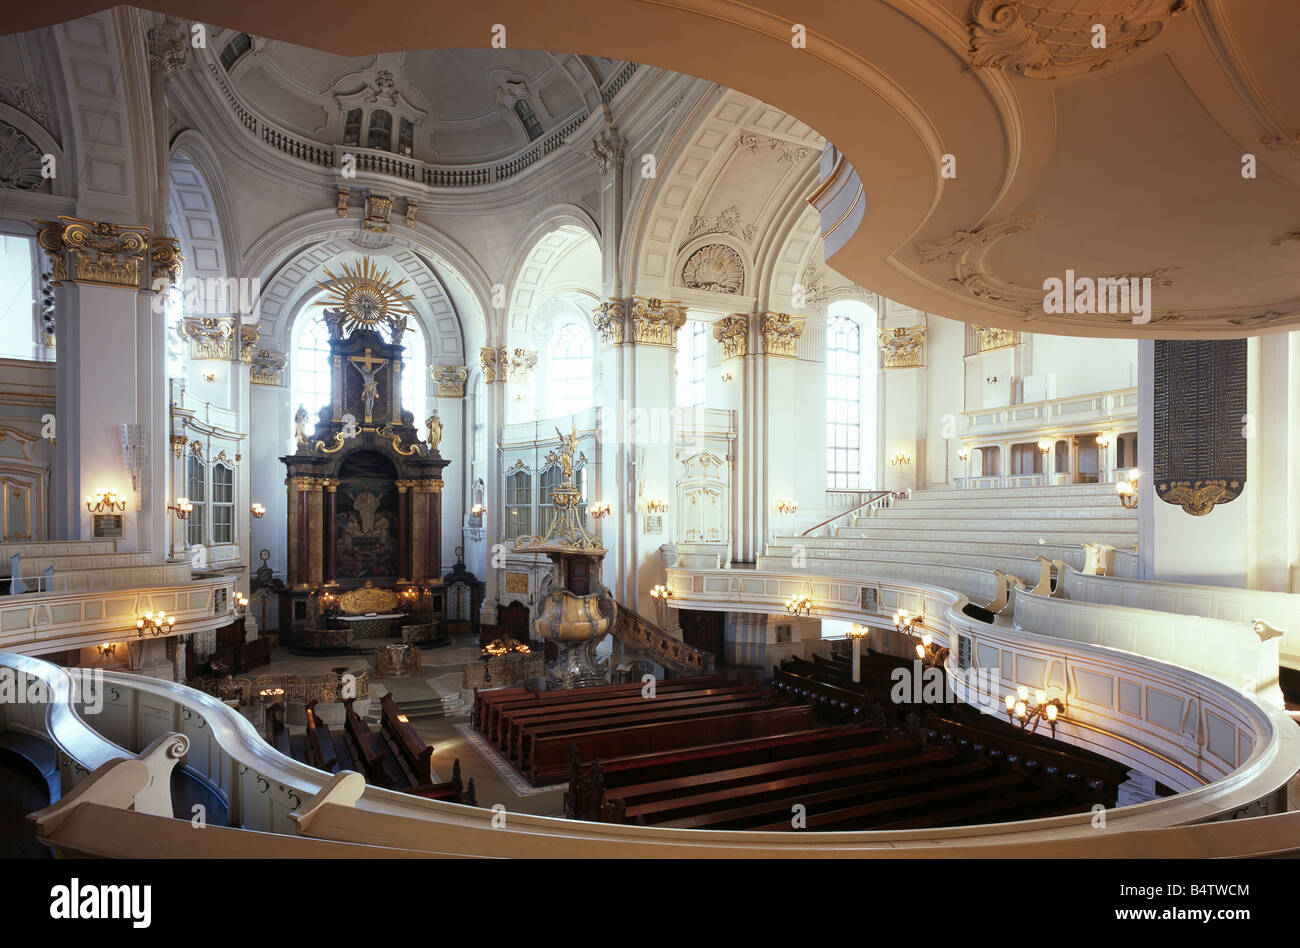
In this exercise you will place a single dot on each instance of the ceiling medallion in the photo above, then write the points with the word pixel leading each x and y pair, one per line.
pixel 367 297
pixel 715 268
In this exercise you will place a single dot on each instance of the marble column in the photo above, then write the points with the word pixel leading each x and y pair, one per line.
pixel 331 486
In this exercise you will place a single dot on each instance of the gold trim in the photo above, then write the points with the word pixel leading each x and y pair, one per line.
pixel 840 220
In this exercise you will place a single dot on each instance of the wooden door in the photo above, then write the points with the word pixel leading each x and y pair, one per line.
pixel 704 630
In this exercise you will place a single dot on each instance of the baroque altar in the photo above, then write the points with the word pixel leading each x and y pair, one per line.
pixel 365 491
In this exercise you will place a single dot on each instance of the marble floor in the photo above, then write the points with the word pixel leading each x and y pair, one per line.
pixel 440 676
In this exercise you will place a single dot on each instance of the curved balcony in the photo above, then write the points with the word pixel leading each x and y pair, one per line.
pixel 393 165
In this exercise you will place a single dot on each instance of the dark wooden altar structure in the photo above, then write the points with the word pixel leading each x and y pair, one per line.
pixel 365 493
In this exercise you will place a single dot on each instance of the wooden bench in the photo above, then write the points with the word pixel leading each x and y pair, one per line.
pixel 321 753
pixel 527 735
pixel 406 746
pixel 376 763
pixel 549 754
pixel 590 784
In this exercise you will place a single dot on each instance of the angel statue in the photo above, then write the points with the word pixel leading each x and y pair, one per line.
pixel 300 425
pixel 434 424
pixel 568 447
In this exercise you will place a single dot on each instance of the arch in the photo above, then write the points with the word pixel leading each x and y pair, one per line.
pixel 532 260
pixel 202 214
pixel 466 286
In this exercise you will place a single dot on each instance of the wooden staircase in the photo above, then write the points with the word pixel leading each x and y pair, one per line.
pixel 656 645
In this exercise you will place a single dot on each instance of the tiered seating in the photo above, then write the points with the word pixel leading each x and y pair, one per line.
pixel 396 758
pixel 947 774
pixel 966 529
pixel 538 731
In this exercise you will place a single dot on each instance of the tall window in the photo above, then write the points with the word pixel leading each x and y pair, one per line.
pixel 352 128
pixel 311 367
pixel 240 44
pixel 196 489
pixel 381 130
pixel 405 136
pixel 519 504
pixel 692 351
pixel 18 282
pixel 851 367
pixel 844 404
pixel 569 363
pixel 223 504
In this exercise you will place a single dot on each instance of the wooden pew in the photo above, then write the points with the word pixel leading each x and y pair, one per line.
pixel 376 763
pixel 321 752
pixel 590 784
pixel 548 758
pixel 519 724
pixel 527 735
pixel 407 747
pixel 489 707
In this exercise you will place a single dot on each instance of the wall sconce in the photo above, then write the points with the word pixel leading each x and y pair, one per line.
pixel 182 508
pixel 258 511
pixel 992 380
pixel 155 623
pixel 904 621
pixel 209 376
pixel 1105 439
pixel 661 592
pixel 786 506
pixel 241 603
pixel 799 606
pixel 1127 490
pixel 600 511
pixel 105 500
pixel 1045 445
pixel 900 457
pixel 963 454
pixel 106 651
pixel 728 375
pixel 1027 712
pixel 656 505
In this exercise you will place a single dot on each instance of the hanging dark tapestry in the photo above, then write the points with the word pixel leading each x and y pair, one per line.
pixel 1199 412
pixel 367 517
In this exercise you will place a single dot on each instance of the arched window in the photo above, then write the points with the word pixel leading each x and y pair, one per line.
pixel 381 130
pixel 569 365
pixel 850 396
pixel 692 353
pixel 352 127
pixel 311 366
pixel 545 505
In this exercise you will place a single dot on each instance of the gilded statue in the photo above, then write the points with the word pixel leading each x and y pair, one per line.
pixel 434 424
pixel 300 425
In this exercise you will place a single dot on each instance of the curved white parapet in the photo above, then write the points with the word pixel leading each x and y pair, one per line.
pixel 34 623
pixel 1244 606
pixel 1244 774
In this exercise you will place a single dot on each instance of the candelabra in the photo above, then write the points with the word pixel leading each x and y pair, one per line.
pixel 799 606
pixel 1027 711
pixel 786 506
pixel 656 505
pixel 182 508
pixel 600 511
pixel 155 623
pixel 105 500
pixel 900 457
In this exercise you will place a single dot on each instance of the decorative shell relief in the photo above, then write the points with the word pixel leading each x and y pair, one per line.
pixel 715 268
pixel 20 161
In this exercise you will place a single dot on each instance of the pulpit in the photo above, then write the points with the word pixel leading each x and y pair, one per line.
pixel 365 492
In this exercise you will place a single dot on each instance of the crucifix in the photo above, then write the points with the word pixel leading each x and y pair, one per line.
pixel 368 366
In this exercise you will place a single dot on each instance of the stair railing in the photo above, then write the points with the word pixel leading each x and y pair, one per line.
pixel 657 645
pixel 877 500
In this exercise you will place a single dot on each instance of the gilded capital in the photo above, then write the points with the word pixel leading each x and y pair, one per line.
pixel 655 322
pixel 93 252
pixel 902 346
pixel 732 333
pixel 451 380
pixel 610 320
pixel 164 263
pixel 781 333
pixel 489 358
pixel 993 338
pixel 212 338
pixel 267 367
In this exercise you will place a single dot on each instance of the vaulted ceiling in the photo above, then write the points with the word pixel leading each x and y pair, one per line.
pixel 1117 159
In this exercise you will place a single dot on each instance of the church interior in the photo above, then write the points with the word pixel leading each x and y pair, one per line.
pixel 722 430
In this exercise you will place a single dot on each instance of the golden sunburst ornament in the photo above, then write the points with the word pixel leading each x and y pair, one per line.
pixel 367 297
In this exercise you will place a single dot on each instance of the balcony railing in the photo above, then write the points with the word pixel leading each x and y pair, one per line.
pixel 391 164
